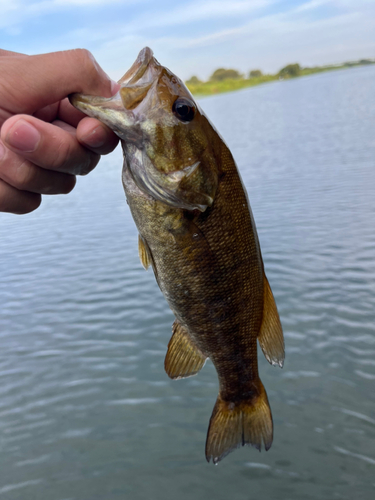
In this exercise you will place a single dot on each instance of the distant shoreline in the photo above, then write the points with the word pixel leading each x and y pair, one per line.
pixel 210 87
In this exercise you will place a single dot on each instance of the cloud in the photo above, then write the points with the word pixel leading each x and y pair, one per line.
pixel 313 4
pixel 201 11
pixel 195 37
pixel 19 12
pixel 267 41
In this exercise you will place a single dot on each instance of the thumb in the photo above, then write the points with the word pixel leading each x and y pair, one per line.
pixel 29 83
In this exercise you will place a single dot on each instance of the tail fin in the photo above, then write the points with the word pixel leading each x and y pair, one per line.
pixel 235 424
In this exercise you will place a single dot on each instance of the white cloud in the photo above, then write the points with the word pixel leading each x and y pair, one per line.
pixel 201 11
pixel 267 42
pixel 265 34
pixel 313 4
pixel 18 12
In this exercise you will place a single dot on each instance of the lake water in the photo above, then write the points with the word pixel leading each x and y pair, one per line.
pixel 86 410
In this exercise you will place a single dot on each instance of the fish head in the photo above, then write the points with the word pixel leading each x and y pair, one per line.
pixel 166 138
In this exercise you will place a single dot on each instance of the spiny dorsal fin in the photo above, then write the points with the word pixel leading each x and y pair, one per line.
pixel 183 358
pixel 235 424
pixel 270 337
pixel 144 253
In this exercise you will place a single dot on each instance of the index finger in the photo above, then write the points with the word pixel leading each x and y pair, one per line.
pixel 29 83
pixel 4 52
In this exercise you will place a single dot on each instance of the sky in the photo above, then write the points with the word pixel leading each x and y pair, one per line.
pixel 194 37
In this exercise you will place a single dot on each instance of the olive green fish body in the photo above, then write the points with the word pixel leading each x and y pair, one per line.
pixel 209 268
pixel 198 234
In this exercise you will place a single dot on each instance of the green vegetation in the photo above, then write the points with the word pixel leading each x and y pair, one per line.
pixel 255 73
pixel 227 80
pixel 290 71
pixel 194 80
pixel 222 74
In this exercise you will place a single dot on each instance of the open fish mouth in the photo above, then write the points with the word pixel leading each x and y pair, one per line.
pixel 117 111
pixel 141 114
pixel 139 68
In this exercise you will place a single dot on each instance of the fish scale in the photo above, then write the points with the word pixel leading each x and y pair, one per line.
pixel 198 234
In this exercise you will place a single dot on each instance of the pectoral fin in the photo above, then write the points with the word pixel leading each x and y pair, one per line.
pixel 270 337
pixel 146 258
pixel 183 358
pixel 144 253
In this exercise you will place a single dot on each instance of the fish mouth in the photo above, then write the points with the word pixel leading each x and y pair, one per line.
pixel 118 111
pixel 125 113
pixel 139 67
pixel 108 110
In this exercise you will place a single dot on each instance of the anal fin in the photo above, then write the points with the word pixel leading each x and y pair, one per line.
pixel 183 358
pixel 144 253
pixel 270 337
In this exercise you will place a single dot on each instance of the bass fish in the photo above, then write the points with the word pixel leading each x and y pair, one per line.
pixel 197 232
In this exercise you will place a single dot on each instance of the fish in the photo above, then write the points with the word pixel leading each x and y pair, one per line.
pixel 197 233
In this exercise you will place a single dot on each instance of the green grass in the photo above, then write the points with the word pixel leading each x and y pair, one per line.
pixel 209 88
pixel 230 85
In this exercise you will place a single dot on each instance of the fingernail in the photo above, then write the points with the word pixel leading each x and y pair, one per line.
pixel 115 87
pixel 23 136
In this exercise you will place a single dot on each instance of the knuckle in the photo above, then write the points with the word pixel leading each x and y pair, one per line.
pixel 69 159
pixel 82 55
pixel 24 176
pixel 87 62
pixel 62 158
pixel 95 79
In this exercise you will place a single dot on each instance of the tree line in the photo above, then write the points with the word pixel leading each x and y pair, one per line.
pixel 222 74
pixel 288 71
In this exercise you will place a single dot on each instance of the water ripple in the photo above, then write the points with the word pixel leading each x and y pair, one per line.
pixel 24 484
pixel 84 399
pixel 355 455
pixel 357 415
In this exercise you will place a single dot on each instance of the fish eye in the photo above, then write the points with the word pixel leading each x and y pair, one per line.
pixel 184 109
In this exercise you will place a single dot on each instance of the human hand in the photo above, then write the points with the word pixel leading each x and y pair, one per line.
pixel 44 141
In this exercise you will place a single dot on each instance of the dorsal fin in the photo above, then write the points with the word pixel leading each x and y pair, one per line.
pixel 183 358
pixel 144 253
pixel 270 337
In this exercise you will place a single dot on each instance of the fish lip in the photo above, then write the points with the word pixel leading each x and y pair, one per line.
pixel 90 104
pixel 119 111
pixel 109 110
pixel 87 102
pixel 124 114
pixel 138 68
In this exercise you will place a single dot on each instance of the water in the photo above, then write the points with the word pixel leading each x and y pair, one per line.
pixel 86 410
